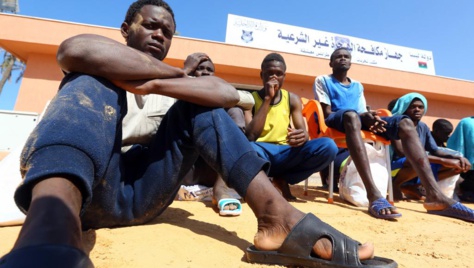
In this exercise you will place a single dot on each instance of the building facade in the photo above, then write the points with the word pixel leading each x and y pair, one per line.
pixel 36 40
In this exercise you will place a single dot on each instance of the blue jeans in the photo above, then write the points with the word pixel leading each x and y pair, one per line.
pixel 295 164
pixel 80 138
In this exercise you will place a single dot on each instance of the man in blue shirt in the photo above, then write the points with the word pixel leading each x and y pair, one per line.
pixel 344 107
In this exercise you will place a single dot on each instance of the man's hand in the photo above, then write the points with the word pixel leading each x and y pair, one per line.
pixel 193 61
pixel 458 164
pixel 464 164
pixel 373 122
pixel 296 137
pixel 271 88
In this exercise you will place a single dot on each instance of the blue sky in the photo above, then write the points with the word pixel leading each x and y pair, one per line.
pixel 434 25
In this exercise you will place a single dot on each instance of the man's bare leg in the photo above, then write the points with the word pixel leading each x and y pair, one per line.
pixel 53 216
pixel 221 190
pixel 276 217
pixel 356 146
pixel 284 188
pixel 415 153
pixel 405 174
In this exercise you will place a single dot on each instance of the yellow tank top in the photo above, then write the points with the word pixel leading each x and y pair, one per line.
pixel 278 119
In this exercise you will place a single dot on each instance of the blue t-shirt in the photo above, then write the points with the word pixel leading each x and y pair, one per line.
pixel 330 91
pixel 425 137
pixel 426 140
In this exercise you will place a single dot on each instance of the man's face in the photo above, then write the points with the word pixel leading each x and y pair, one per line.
pixel 204 68
pixel 151 31
pixel 341 60
pixel 416 110
pixel 273 70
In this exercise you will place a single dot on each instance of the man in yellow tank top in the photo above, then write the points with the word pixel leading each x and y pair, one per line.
pixel 292 156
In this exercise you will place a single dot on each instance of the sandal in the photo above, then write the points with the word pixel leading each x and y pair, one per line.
pixel 378 205
pixel 456 210
pixel 296 250
pixel 227 202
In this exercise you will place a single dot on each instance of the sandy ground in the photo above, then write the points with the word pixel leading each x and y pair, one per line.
pixel 192 234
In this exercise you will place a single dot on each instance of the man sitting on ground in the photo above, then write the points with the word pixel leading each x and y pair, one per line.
pixel 443 163
pixel 226 199
pixel 292 156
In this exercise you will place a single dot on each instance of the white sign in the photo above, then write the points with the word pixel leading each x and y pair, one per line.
pixel 286 38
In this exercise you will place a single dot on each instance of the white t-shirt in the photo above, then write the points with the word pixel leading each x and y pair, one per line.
pixel 145 113
pixel 143 118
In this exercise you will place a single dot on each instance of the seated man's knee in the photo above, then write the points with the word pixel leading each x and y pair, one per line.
pixel 351 120
pixel 331 149
pixel 325 148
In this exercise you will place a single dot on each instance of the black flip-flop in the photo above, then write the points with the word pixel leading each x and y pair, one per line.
pixel 296 250
pixel 49 255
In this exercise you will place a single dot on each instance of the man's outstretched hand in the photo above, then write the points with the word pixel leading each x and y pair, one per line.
pixel 373 122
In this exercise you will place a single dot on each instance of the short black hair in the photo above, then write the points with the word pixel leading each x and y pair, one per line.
pixel 336 50
pixel 442 124
pixel 136 6
pixel 391 104
pixel 273 57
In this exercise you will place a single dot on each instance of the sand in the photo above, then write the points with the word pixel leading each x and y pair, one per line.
pixel 192 234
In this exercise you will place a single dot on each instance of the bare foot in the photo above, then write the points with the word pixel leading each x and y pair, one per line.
pixel 384 211
pixel 323 249
pixel 437 201
pixel 231 207
pixel 437 205
pixel 388 211
pixel 284 188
